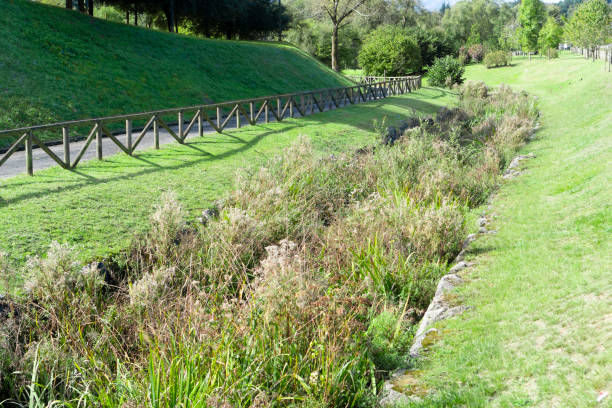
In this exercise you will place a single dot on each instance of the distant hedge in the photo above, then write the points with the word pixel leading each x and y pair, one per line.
pixel 496 59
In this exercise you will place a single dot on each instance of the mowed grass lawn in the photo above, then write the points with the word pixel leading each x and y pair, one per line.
pixel 539 331
pixel 99 207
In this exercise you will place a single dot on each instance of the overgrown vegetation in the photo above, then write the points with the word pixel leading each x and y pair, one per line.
pixel 300 288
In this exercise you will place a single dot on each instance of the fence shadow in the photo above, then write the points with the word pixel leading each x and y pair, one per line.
pixel 199 156
pixel 394 108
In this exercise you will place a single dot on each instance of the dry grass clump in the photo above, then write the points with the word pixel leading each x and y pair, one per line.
pixel 300 289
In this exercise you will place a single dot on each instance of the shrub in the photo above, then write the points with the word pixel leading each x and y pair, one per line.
pixel 496 59
pixel 464 57
pixel 445 72
pixel 390 50
pixel 476 52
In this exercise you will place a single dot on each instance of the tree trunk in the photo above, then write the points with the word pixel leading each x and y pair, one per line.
pixel 69 4
pixel 82 6
pixel 127 17
pixel 280 22
pixel 334 49
pixel 169 20
pixel 136 16
pixel 173 17
pixel 90 7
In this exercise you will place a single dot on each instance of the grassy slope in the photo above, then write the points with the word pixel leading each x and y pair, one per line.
pixel 100 206
pixel 539 333
pixel 59 65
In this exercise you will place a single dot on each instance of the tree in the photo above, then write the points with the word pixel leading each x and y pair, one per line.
pixel 390 50
pixel 338 11
pixel 550 35
pixel 531 18
pixel 589 26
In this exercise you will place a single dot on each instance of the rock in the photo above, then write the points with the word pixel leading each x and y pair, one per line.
pixel 482 222
pixel 482 230
pixel 458 267
pixel 516 161
pixel 390 136
pixel 401 388
pixel 208 214
pixel 439 309
pixel 510 174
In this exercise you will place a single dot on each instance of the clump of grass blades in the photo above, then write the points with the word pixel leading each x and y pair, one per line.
pixel 301 289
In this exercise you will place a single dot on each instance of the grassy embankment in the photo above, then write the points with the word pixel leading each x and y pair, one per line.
pixel 539 331
pixel 60 65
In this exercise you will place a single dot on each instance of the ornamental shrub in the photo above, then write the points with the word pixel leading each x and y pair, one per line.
pixel 390 50
pixel 496 59
pixel 445 72
pixel 476 52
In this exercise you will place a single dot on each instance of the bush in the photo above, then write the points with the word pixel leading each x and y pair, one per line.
pixel 464 57
pixel 476 52
pixel 446 72
pixel 390 50
pixel 496 59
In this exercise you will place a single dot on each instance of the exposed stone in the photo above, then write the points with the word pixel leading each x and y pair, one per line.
pixel 482 222
pixel 482 230
pixel 403 387
pixel 439 309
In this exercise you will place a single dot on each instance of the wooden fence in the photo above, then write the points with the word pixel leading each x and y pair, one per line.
pixel 362 80
pixel 603 53
pixel 217 115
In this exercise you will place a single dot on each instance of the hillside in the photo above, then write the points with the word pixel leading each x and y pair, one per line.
pixel 58 65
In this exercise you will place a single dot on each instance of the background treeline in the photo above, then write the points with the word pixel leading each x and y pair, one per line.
pixel 230 19
pixel 393 37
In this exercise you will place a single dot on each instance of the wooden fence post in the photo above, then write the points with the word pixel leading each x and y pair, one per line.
pixel 200 124
pixel 66 143
pixel 237 116
pixel 128 134
pixel 219 115
pixel 180 126
pixel 99 142
pixel 266 112
pixel 252 112
pixel 28 148
pixel 278 109
pixel 156 132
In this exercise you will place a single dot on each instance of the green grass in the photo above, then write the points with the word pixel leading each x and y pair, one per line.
pixel 101 205
pixel 539 331
pixel 60 65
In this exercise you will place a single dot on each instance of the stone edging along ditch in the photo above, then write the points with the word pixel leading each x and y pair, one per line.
pixel 400 387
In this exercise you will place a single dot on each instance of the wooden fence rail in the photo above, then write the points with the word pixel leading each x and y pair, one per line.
pixel 217 115
pixel 362 80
